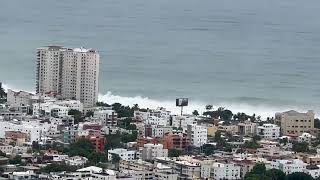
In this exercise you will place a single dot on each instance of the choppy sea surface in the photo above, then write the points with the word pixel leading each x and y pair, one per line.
pixel 259 56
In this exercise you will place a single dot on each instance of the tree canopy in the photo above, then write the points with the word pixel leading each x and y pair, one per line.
pixel 300 147
pixel 221 112
pixel 275 174
pixel 195 112
pixel 77 115
pixel 174 153
pixel 84 147
pixel 58 167
pixel 208 149
pixel 298 176
pixel 259 172
pixel 126 137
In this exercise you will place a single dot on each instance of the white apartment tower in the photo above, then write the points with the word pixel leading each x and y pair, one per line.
pixel 72 73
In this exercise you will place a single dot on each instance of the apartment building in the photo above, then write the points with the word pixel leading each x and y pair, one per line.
pixel 247 128
pixel 106 117
pixel 232 129
pixel 183 121
pixel 178 141
pixel 136 165
pixel 151 151
pixel 225 171
pixel 295 123
pixel 197 134
pixel 72 73
pixel 124 154
pixel 143 115
pixel 157 131
pixel 268 131
pixel 19 101
pixel 56 108
pixel 289 166
pixel 35 129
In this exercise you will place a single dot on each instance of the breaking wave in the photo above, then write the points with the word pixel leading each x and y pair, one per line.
pixel 145 102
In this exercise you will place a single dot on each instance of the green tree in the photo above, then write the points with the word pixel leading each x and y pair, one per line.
pixel 125 123
pixel 241 116
pixel 221 142
pixel 195 112
pixel 113 141
pixel 275 174
pixel 123 111
pixel 125 138
pixel 298 176
pixel 89 114
pixel 3 154
pixel 85 148
pixel 102 104
pixel 317 123
pixel 226 114
pixel 58 167
pixel 3 95
pixel 174 153
pixel 135 107
pixel 259 168
pixel 300 147
pixel 115 158
pixel 131 127
pixel 15 160
pixel 283 141
pixel 209 107
pixel 77 115
pixel 258 172
pixel 208 149
pixel 221 112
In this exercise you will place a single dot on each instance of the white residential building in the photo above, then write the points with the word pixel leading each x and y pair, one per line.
pixel 143 115
pixel 151 151
pixel 221 171
pixel 124 154
pixel 269 131
pixel 247 128
pixel 306 137
pixel 106 117
pixel 77 161
pixel 183 121
pixel 73 73
pixel 314 171
pixel 187 170
pixel 197 134
pixel 35 129
pixel 20 101
pixel 154 120
pixel 8 149
pixel 160 131
pixel 289 166
pixel 57 108
pixel 165 176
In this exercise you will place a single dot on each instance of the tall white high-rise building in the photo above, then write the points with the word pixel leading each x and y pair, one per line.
pixel 72 73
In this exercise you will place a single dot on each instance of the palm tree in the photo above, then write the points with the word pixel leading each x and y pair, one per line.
pixel 209 107
pixel 195 112
pixel 135 107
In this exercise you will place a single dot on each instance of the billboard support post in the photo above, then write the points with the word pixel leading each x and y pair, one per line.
pixel 181 102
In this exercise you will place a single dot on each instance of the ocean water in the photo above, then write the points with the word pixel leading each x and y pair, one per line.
pixel 259 56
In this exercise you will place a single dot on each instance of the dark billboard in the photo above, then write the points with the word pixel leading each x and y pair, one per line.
pixel 182 102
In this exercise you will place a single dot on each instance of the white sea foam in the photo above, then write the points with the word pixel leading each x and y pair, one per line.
pixel 14 88
pixel 145 102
